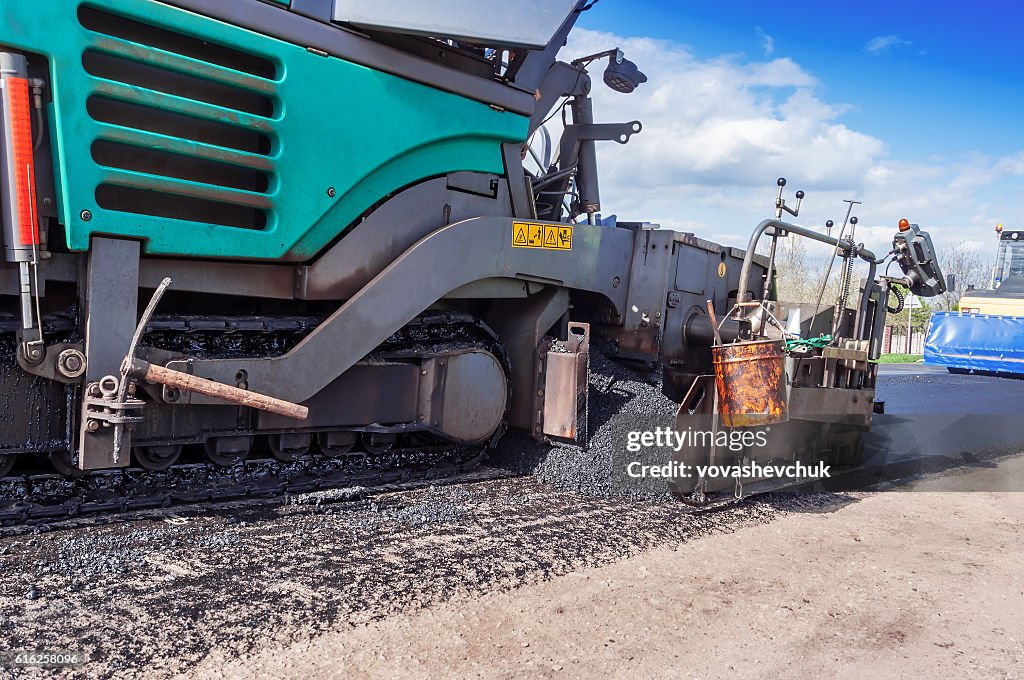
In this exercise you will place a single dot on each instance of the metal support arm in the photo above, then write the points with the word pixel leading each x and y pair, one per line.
pixel 593 132
pixel 561 80
pixel 779 225
pixel 446 259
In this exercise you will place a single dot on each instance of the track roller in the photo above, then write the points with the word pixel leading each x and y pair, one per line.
pixel 289 447
pixel 64 463
pixel 157 458
pixel 7 461
pixel 336 444
pixel 377 442
pixel 228 451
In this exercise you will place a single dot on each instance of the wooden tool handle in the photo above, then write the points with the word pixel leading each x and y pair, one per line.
pixel 183 381
pixel 714 323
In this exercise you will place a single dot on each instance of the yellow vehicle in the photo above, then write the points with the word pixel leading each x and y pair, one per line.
pixel 987 335
pixel 1006 296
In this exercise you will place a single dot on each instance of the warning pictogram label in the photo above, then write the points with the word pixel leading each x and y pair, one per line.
pixel 550 236
pixel 565 238
pixel 544 236
pixel 519 235
pixel 535 236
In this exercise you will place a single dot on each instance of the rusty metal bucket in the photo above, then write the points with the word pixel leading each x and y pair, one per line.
pixel 751 382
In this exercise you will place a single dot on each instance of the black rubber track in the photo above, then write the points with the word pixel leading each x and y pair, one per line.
pixel 33 498
pixel 46 498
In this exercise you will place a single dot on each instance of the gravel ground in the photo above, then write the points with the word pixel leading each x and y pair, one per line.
pixel 152 598
pixel 894 585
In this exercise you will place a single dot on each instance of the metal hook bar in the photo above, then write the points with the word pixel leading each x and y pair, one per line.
pixel 122 388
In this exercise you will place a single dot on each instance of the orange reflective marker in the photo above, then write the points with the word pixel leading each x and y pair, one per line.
pixel 24 169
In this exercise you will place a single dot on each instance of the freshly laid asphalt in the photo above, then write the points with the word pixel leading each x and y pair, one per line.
pixel 935 420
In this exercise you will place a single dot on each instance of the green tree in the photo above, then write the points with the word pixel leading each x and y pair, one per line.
pixel 966 267
pixel 800 275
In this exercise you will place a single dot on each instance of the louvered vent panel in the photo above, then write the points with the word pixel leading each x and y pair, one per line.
pixel 186 126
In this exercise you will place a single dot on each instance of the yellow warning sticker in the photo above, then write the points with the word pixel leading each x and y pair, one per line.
pixel 519 234
pixel 721 270
pixel 545 236
pixel 535 236
pixel 565 238
pixel 550 236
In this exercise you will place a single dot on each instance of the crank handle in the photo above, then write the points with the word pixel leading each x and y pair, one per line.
pixel 143 370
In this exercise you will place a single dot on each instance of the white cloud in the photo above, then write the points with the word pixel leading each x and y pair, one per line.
pixel 883 44
pixel 767 42
pixel 719 131
pixel 724 122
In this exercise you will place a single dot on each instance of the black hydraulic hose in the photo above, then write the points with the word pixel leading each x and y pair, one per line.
pixel 37 104
pixel 899 300
pixel 547 179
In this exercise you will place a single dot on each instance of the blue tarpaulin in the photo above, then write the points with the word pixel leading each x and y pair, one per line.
pixel 982 342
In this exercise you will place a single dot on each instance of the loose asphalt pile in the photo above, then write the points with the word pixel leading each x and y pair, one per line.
pixel 622 400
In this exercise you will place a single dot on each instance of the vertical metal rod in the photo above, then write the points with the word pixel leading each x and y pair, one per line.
pixel 837 313
pixel 713 454
pixel 768 279
pixel 846 220
pixel 25 282
pixel 1000 258
pixel 714 323
pixel 34 226
pixel 910 323
pixel 587 181
pixel 122 387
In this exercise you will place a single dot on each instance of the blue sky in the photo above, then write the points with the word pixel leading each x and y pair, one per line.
pixel 951 69
pixel 902 105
